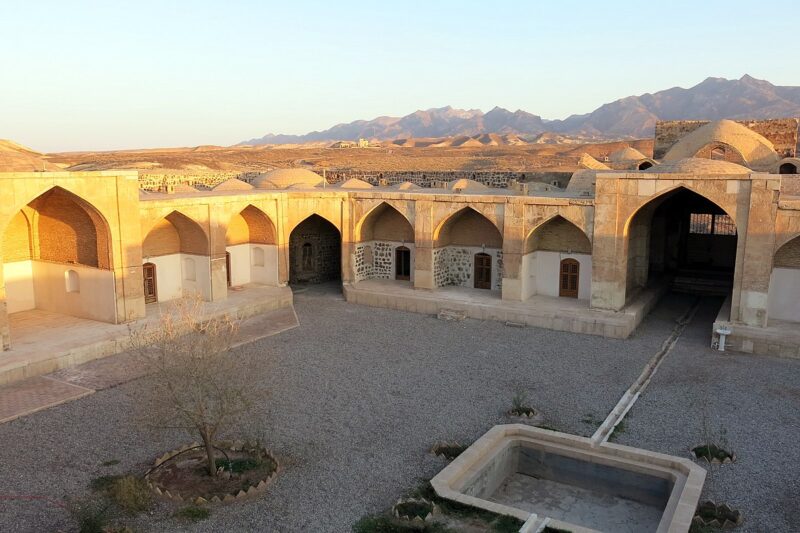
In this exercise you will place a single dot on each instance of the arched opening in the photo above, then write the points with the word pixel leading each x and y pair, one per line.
pixel 784 284
pixel 57 257
pixel 150 283
pixel 787 168
pixel 684 238
pixel 314 252
pixel 177 247
pixel 546 247
pixel 457 241
pixel 644 165
pixel 251 247
pixel 717 153
pixel 381 234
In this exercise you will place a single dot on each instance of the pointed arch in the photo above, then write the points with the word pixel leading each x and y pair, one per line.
pixel 314 251
pixel 250 225
pixel 654 201
pixel 175 233
pixel 386 223
pixel 468 227
pixel 64 228
pixel 557 234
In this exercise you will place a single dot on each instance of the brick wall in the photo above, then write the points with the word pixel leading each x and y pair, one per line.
pixel 470 229
pixel 163 239
pixel 387 225
pixel 559 235
pixel 788 255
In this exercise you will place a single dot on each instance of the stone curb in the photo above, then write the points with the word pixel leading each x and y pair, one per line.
pixel 233 446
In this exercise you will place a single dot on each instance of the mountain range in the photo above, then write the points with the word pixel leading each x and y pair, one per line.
pixel 631 117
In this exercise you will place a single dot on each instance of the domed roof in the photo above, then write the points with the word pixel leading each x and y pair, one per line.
pixel 755 149
pixel 582 180
pixel 626 154
pixel 587 161
pixel 233 184
pixel 184 187
pixel 696 165
pixel 465 185
pixel 282 178
pixel 355 183
pixel 406 185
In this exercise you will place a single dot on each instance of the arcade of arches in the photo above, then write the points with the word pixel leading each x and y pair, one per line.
pixel 73 248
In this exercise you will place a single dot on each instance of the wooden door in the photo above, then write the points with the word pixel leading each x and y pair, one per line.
pixel 483 271
pixel 150 287
pixel 402 263
pixel 228 267
pixel 568 283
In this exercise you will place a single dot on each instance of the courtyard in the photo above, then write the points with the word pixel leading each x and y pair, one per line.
pixel 359 395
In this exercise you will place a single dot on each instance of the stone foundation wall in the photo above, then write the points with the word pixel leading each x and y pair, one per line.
pixel 201 181
pixel 455 265
pixel 375 260
pixel 433 178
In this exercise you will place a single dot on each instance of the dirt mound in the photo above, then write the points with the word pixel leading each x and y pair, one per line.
pixel 17 158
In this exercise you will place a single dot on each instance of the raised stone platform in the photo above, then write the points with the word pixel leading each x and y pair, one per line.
pixel 43 342
pixel 779 338
pixel 562 314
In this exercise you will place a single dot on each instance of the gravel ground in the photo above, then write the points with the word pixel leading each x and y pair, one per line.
pixel 359 395
pixel 752 402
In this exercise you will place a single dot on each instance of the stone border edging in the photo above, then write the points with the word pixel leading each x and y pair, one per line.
pixel 233 446
pixel 422 501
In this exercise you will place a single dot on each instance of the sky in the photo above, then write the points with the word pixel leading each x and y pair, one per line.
pixel 111 74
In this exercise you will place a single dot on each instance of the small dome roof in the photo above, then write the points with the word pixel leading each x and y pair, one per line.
pixel 233 184
pixel 467 185
pixel 406 186
pixel 696 165
pixel 282 178
pixel 355 183
pixel 184 187
pixel 625 155
pixel 589 162
pixel 582 180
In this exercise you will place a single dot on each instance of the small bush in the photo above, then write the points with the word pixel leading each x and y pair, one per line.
pixel 413 508
pixel 91 515
pixel 386 524
pixel 193 513
pixel 131 494
pixel 103 483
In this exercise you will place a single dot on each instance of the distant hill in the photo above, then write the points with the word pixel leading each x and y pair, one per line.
pixel 17 158
pixel 631 117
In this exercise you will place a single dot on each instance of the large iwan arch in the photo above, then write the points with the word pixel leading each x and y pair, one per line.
pixel 315 251
pixel 57 257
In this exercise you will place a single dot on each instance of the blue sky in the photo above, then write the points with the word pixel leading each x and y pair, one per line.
pixel 110 74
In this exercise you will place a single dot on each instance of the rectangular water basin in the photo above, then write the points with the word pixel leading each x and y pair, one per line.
pixel 561 480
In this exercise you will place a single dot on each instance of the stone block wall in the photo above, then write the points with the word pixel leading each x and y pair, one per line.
pixel 326 257
pixel 374 260
pixel 782 133
pixel 454 266
pixel 159 182
pixel 496 179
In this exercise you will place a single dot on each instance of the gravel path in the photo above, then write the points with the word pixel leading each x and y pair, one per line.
pixel 359 394
pixel 752 402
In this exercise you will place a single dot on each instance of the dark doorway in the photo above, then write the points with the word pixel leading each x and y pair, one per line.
pixel 150 286
pixel 568 279
pixel 787 168
pixel 402 263
pixel 483 271
pixel 644 165
pixel 315 250
pixel 228 267
pixel 690 240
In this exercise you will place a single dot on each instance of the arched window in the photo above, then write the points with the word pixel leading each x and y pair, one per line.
pixel 644 165
pixel 258 256
pixel 787 168
pixel 73 282
pixel 718 153
pixel 189 270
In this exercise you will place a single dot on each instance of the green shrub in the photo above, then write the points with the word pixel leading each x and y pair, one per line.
pixel 193 513
pixel 91 515
pixel 131 494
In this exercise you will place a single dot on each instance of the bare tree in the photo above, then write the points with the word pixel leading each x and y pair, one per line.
pixel 192 381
